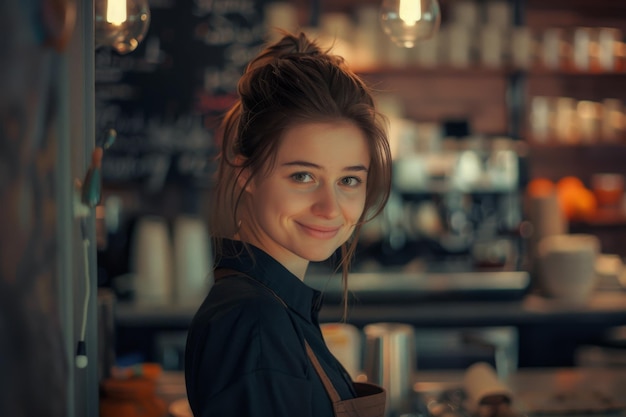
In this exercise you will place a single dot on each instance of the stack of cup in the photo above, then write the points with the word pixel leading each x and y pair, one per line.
pixel 547 219
pixel 192 260
pixel 151 261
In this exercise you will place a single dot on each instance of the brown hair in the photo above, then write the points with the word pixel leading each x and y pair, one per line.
pixel 290 82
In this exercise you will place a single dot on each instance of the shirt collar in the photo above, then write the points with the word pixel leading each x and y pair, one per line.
pixel 259 265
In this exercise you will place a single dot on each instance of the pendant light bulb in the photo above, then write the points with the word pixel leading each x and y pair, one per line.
pixel 409 21
pixel 121 24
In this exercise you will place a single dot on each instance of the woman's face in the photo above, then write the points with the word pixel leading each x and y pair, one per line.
pixel 308 205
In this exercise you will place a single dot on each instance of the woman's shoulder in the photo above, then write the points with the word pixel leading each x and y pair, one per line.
pixel 238 299
pixel 240 287
pixel 241 318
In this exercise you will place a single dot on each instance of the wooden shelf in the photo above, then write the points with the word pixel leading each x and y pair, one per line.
pixel 552 145
pixel 603 217
pixel 481 71
pixel 539 71
pixel 434 71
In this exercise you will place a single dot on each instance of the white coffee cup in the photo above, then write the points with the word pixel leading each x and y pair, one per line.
pixel 567 266
pixel 151 261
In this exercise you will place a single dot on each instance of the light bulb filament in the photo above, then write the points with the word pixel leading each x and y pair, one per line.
pixel 116 11
pixel 410 11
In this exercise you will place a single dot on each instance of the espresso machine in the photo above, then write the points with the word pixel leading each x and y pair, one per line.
pixel 460 202
pixel 452 223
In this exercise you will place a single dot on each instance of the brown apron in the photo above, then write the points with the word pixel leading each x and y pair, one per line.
pixel 370 400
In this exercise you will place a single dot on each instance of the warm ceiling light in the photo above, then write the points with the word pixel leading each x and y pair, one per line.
pixel 408 21
pixel 121 24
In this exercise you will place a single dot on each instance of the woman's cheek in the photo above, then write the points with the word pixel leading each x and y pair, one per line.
pixel 357 206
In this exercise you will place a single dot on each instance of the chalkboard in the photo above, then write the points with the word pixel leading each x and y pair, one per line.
pixel 165 99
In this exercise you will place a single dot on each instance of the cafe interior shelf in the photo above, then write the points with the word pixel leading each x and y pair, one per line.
pixel 482 71
pixel 434 71
pixel 604 217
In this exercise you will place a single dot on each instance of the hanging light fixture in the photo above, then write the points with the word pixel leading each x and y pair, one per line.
pixel 408 21
pixel 121 24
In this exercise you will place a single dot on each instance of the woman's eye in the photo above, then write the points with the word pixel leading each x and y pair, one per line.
pixel 302 177
pixel 351 181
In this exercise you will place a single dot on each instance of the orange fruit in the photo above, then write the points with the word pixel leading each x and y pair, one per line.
pixel 576 202
pixel 586 204
pixel 569 182
pixel 540 187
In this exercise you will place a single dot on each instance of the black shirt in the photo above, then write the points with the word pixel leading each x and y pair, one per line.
pixel 245 352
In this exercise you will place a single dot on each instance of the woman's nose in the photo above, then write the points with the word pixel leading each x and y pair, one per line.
pixel 326 202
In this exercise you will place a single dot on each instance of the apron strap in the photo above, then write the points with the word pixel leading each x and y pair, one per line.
pixel 330 389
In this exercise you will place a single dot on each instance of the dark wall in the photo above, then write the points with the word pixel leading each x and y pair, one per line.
pixel 33 371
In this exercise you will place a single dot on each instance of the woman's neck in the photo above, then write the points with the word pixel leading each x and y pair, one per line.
pixel 292 262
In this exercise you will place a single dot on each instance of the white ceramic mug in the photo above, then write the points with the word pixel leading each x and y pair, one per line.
pixel 567 266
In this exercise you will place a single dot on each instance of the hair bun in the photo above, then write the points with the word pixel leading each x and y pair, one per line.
pixel 289 46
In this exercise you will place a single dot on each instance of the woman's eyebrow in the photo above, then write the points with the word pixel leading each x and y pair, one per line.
pixel 301 164
pixel 356 168
pixel 352 168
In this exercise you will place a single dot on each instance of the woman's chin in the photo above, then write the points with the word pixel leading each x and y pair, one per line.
pixel 319 257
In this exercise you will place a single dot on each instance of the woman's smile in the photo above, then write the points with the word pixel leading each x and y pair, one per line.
pixel 319 232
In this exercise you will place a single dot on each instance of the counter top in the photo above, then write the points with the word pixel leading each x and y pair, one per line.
pixel 528 385
pixel 549 332
pixel 580 391
pixel 604 307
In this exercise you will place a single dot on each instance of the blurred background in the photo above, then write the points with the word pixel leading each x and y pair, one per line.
pixel 506 126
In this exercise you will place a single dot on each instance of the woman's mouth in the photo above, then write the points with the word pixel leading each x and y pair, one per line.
pixel 320 232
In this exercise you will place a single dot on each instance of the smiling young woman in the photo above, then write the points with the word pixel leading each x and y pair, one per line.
pixel 309 204
pixel 305 162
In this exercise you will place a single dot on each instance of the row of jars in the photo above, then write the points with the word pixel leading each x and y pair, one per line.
pixel 566 120
pixel 473 34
